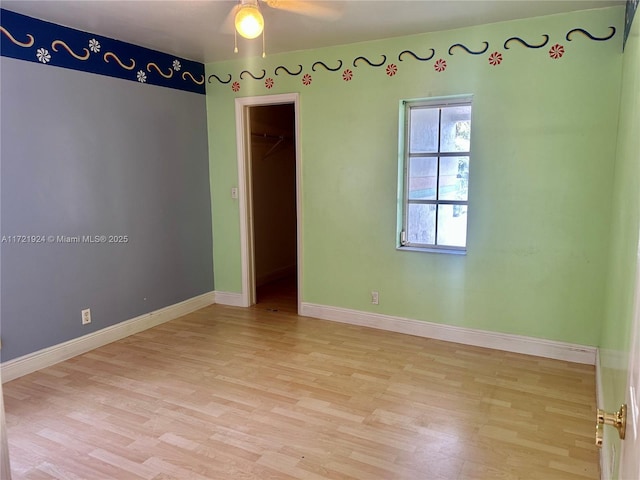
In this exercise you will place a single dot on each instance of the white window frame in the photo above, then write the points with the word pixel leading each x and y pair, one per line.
pixel 405 155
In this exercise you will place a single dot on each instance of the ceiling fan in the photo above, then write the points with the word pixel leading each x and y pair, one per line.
pixel 248 21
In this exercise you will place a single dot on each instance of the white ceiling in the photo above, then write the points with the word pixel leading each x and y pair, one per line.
pixel 194 29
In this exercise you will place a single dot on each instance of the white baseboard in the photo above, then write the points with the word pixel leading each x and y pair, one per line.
pixel 468 336
pixel 20 366
pixel 231 299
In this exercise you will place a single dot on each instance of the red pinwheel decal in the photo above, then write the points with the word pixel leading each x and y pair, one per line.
pixel 306 80
pixel 347 75
pixel 557 51
pixel 440 65
pixel 268 82
pixel 235 86
pixel 495 58
pixel 392 69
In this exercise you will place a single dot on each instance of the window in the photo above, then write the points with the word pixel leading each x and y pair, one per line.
pixel 436 152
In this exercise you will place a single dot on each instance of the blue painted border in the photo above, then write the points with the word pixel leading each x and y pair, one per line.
pixel 33 40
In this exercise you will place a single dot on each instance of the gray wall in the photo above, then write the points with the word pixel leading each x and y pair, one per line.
pixel 84 154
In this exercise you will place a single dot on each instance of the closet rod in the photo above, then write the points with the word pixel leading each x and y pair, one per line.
pixel 269 136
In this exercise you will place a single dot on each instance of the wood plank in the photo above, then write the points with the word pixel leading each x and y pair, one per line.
pixel 262 393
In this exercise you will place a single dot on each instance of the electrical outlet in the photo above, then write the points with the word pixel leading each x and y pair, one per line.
pixel 375 298
pixel 86 316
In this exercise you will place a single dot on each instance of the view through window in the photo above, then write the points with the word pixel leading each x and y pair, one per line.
pixel 436 164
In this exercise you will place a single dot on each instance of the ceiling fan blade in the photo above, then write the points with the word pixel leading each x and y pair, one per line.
pixel 228 26
pixel 315 9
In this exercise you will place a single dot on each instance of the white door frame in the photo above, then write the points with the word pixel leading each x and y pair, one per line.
pixel 629 455
pixel 243 143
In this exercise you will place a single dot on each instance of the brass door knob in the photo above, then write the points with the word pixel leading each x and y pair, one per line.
pixel 617 419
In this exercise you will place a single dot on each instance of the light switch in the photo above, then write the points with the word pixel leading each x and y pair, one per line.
pixel 234 192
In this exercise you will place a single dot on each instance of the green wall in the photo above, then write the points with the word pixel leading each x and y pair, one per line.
pixel 625 214
pixel 543 144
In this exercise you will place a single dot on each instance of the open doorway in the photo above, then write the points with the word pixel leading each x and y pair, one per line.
pixel 269 125
pixel 272 173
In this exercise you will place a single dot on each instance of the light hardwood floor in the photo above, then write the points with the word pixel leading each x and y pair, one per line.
pixel 230 393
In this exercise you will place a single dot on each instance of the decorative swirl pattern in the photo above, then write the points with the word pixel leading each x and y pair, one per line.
pixel 528 45
pixel 197 82
pixel 55 44
pixel 459 45
pixel 115 57
pixel 152 64
pixel 587 34
pixel 433 52
pixel 20 44
pixel 264 73
pixel 30 39
pixel 313 67
pixel 218 78
pixel 293 74
pixel 384 59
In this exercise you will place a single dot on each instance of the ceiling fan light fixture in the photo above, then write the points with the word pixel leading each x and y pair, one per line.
pixel 249 21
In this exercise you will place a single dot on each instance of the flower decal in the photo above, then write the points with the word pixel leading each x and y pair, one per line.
pixel 94 45
pixel 347 75
pixel 557 51
pixel 235 87
pixel 440 65
pixel 176 65
pixel 43 55
pixel 495 58
pixel 268 83
pixel 392 69
pixel 306 80
pixel 142 77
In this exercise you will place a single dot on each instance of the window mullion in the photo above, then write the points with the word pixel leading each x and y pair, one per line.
pixel 435 239
pixel 454 154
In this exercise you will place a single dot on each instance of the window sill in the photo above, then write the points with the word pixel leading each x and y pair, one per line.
pixel 450 251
